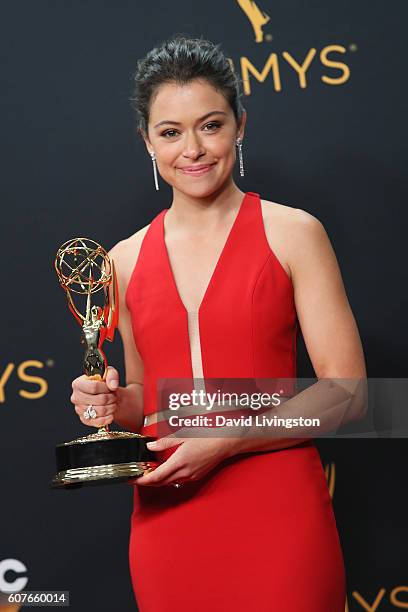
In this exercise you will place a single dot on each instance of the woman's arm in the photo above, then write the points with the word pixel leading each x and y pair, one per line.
pixel 325 317
pixel 129 412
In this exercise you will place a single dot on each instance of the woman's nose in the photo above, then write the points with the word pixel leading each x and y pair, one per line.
pixel 193 146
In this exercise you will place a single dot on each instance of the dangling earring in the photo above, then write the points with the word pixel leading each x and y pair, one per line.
pixel 241 160
pixel 153 156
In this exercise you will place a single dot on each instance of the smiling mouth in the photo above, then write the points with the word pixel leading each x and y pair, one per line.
pixel 198 171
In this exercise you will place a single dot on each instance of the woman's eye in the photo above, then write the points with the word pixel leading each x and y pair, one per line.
pixel 170 133
pixel 215 123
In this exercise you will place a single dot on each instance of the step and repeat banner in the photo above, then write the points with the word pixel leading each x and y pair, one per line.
pixel 324 88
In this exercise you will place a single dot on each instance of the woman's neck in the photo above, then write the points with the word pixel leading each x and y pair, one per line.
pixel 192 212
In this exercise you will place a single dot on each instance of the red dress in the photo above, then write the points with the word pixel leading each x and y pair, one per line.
pixel 258 532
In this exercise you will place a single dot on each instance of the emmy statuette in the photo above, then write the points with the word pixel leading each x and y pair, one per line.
pixel 84 267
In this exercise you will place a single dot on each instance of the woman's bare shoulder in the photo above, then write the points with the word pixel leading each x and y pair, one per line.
pixel 287 214
pixel 125 254
pixel 288 230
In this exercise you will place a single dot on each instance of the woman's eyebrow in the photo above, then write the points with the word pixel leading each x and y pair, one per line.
pixel 216 112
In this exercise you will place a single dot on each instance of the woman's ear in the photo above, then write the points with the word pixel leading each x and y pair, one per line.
pixel 241 129
pixel 146 141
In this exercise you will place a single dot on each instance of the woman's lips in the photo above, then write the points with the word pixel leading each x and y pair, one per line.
pixel 199 171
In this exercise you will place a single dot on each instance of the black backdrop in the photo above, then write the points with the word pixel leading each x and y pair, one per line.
pixel 72 165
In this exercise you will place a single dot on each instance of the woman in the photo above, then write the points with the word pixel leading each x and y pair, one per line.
pixel 215 286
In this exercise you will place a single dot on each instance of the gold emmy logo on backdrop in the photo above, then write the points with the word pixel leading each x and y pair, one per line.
pixel 20 372
pixel 257 18
pixel 270 72
pixel 83 267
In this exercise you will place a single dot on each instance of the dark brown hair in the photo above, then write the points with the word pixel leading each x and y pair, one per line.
pixel 181 59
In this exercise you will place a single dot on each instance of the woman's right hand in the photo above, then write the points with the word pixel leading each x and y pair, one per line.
pixel 102 394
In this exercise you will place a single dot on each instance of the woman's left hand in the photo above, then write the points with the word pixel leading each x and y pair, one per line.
pixel 193 458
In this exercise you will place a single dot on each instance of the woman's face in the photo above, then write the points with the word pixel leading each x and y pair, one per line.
pixel 193 125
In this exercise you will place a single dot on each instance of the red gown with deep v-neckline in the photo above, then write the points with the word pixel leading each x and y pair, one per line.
pixel 258 531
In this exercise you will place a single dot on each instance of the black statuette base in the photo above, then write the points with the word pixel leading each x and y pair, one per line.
pixel 108 458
